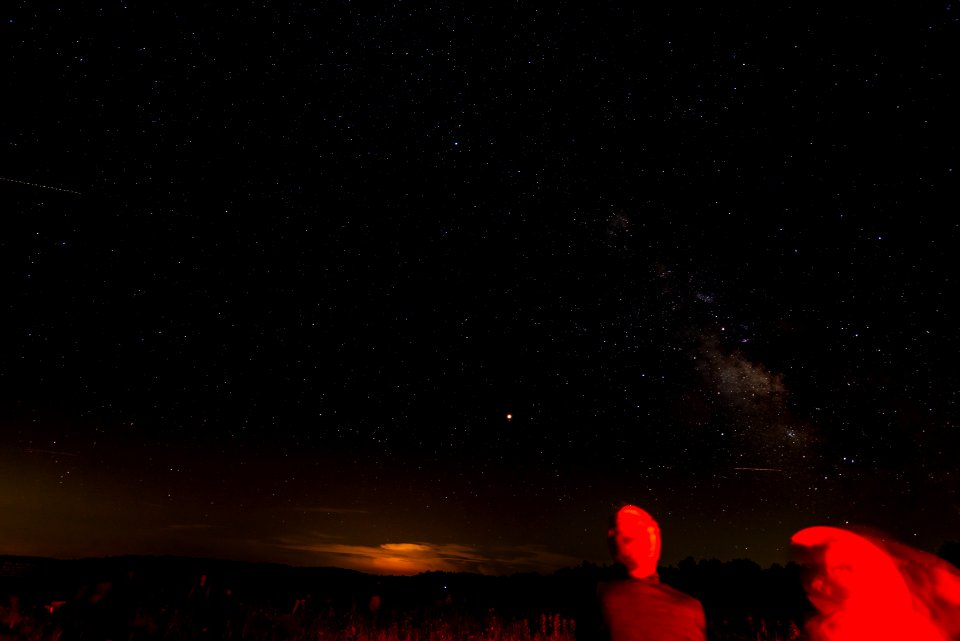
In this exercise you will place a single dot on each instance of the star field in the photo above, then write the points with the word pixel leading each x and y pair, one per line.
pixel 435 286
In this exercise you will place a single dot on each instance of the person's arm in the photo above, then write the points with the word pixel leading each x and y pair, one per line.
pixel 701 622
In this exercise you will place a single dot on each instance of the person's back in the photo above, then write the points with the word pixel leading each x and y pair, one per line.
pixel 638 607
pixel 635 609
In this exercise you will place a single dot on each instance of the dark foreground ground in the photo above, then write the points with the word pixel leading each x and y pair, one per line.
pixel 153 598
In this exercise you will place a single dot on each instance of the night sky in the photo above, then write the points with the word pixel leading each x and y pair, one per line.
pixel 438 286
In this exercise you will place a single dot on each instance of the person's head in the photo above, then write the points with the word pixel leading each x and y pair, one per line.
pixel 634 539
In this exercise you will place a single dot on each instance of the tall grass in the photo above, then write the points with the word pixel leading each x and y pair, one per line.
pixel 175 622
pixel 251 622
pixel 66 621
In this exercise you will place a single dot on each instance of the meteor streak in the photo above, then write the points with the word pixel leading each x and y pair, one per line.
pixel 33 450
pixel 39 186
pixel 758 469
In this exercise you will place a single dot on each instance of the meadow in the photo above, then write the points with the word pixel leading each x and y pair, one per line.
pixel 153 599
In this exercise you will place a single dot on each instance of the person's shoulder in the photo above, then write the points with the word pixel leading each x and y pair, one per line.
pixel 689 605
pixel 681 598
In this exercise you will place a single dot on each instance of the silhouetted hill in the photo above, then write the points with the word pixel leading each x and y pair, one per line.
pixel 739 587
pixel 111 597
pixel 267 582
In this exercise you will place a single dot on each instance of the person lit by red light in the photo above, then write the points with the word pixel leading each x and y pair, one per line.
pixel 867 588
pixel 639 606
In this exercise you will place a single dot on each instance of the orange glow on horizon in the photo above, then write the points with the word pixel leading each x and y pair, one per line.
pixel 423 556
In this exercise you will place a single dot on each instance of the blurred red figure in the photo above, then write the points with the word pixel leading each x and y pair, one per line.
pixel 639 606
pixel 867 588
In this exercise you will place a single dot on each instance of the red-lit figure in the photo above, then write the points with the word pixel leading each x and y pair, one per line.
pixel 868 588
pixel 640 606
